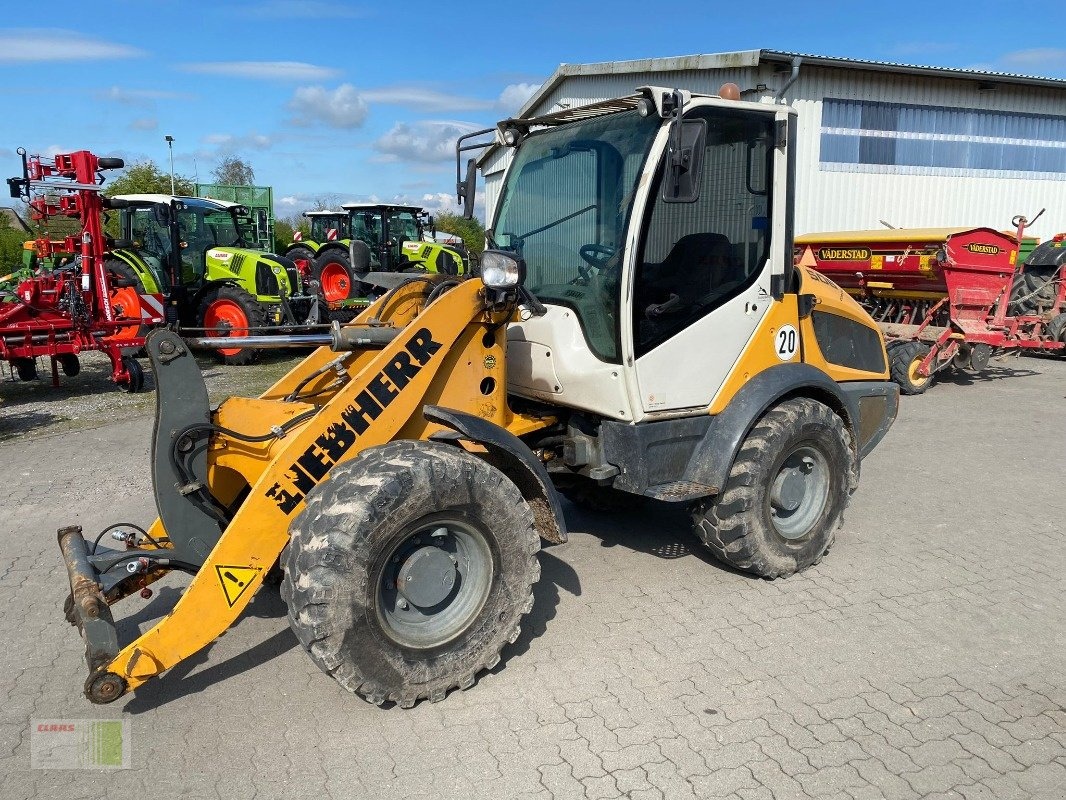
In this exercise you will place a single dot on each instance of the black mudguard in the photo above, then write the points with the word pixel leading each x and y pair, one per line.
pixel 714 456
pixel 509 455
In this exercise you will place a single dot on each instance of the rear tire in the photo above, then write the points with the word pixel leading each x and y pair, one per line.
pixel 376 524
pixel 905 359
pixel 786 492
pixel 301 252
pixel 231 311
pixel 1034 290
pixel 333 271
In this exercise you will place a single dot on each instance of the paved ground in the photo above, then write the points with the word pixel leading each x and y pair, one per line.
pixel 925 657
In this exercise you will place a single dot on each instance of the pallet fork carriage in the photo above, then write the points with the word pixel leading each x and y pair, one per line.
pixel 403 477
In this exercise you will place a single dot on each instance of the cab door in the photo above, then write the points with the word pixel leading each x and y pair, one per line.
pixel 701 272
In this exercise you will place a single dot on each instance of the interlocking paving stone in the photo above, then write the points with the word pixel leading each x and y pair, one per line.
pixel 924 657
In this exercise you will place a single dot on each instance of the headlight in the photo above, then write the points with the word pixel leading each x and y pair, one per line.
pixel 501 270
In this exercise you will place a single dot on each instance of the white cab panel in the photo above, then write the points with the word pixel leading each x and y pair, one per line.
pixel 687 370
pixel 549 359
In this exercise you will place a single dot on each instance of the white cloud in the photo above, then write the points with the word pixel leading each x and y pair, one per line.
pixel 1039 59
pixel 228 142
pixel 145 124
pixel 36 44
pixel 423 99
pixel 264 70
pixel 139 97
pixel 515 95
pixel 342 107
pixel 427 140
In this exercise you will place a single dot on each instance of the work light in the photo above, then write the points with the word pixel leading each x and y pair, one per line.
pixel 502 270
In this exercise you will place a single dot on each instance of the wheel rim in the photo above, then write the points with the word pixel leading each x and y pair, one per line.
pixel 335 282
pixel 799 492
pixel 226 318
pixel 434 583
pixel 127 305
pixel 912 371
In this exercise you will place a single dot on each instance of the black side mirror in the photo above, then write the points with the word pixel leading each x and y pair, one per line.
pixel 161 215
pixel 684 160
pixel 467 189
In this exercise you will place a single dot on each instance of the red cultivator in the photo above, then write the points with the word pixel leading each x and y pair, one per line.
pixel 942 296
pixel 79 306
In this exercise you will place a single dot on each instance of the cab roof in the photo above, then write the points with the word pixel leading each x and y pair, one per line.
pixel 167 199
pixel 388 206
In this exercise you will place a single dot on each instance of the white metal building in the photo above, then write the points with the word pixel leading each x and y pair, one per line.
pixel 912 146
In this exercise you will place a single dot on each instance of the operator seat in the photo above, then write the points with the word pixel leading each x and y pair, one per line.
pixel 695 267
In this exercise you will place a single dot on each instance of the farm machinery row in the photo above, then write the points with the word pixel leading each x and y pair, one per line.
pixel 345 245
pixel 189 263
pixel 948 298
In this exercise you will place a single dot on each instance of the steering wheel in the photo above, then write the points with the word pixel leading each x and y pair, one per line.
pixel 596 256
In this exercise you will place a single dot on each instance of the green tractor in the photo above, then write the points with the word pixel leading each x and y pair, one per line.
pixel 195 252
pixel 382 238
pixel 326 226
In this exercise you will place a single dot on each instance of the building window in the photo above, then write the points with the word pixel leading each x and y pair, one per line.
pixel 867 136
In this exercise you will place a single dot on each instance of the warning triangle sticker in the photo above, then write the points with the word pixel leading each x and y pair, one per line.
pixel 235 581
pixel 808 259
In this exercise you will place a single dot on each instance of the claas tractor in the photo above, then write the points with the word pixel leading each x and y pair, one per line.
pixel 637 331
pixel 195 251
pixel 382 238
pixel 326 226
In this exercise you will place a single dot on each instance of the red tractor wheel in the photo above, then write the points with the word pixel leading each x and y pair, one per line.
pixel 125 295
pixel 231 311
pixel 333 272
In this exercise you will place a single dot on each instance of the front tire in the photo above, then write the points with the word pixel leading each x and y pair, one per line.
pixel 333 271
pixel 231 311
pixel 409 570
pixel 786 492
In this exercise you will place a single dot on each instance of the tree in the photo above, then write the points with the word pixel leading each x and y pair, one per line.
pixel 234 171
pixel 145 177
pixel 471 231
pixel 284 228
pixel 11 242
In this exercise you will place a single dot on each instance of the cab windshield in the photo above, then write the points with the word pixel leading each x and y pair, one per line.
pixel 211 228
pixel 322 225
pixel 564 209
pixel 403 226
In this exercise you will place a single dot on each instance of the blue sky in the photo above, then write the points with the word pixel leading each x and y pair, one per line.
pixel 344 100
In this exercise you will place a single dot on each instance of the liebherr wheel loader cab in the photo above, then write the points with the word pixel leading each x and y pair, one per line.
pixel 637 331
pixel 695 364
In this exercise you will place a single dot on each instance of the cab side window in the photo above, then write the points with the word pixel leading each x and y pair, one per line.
pixel 695 256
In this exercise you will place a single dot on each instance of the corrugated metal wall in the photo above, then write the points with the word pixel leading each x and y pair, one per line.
pixel 831 199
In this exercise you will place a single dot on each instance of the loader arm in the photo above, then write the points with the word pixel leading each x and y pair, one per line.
pixel 448 353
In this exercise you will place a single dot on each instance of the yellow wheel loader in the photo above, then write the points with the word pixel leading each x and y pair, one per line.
pixel 638 330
